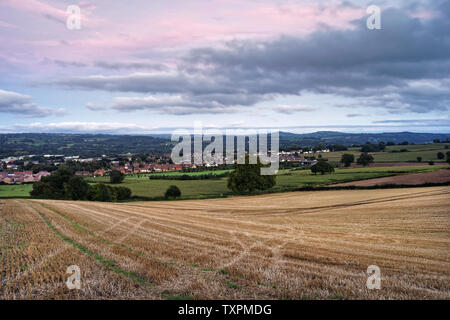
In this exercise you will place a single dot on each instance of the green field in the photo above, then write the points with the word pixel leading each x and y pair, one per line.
pixel 16 190
pixel 287 180
pixel 178 173
pixel 428 152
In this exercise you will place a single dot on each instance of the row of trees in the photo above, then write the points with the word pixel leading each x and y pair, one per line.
pixel 188 177
pixel 64 184
pixel 364 159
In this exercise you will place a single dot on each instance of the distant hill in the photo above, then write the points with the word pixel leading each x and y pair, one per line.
pixel 332 137
pixel 84 145
pixel 92 145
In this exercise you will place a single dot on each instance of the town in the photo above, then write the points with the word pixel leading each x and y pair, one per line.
pixel 31 168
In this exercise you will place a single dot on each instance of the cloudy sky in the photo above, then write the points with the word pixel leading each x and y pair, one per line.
pixel 153 66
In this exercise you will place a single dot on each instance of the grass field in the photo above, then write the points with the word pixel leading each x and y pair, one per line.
pixel 286 180
pixel 18 190
pixel 428 152
pixel 198 189
pixel 299 245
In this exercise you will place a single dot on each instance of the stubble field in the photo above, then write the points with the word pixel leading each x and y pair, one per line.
pixel 298 245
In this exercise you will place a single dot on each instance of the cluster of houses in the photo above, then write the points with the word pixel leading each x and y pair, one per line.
pixel 22 177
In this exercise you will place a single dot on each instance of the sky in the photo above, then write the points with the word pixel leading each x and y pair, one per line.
pixel 137 67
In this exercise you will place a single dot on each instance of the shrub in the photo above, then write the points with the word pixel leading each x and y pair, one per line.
pixel 100 192
pixel 123 193
pixel 419 159
pixel 440 155
pixel 172 192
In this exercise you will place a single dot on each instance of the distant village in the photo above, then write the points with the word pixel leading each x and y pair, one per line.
pixel 26 169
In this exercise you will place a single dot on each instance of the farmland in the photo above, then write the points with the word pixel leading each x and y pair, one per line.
pixel 287 180
pixel 428 152
pixel 18 190
pixel 298 245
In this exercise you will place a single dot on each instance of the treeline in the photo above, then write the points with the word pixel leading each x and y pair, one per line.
pixel 189 177
pixel 63 184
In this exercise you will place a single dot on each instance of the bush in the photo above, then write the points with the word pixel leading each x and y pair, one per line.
pixel 116 177
pixel 419 159
pixel 431 163
pixel 172 192
pixel 123 193
pixel 100 192
pixel 440 155
pixel 322 167
pixel 104 193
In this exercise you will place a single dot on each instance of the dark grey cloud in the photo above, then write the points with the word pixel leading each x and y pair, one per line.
pixel 426 122
pixel 131 65
pixel 179 104
pixel 354 115
pixel 404 67
pixel 19 104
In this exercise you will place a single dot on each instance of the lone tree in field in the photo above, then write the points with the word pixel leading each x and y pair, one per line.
pixel 365 159
pixel 347 159
pixel 419 159
pixel 322 167
pixel 440 155
pixel 247 178
pixel 116 177
pixel 448 156
pixel 172 192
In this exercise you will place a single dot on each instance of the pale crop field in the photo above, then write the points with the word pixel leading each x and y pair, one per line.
pixel 298 245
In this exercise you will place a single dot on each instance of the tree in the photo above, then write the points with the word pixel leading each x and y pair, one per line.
pixel 42 190
pixel 448 156
pixel 347 159
pixel 172 192
pixel 56 181
pixel 247 178
pixel 369 147
pixel 419 159
pixel 440 155
pixel 116 177
pixel 76 189
pixel 365 159
pixel 322 167
pixel 62 184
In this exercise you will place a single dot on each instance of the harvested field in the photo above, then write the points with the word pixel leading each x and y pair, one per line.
pixel 299 245
pixel 398 164
pixel 440 176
